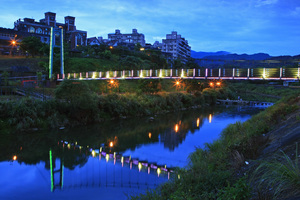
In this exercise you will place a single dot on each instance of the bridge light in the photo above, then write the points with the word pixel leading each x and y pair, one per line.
pixel 93 153
pixel 158 171
pixel 140 166
pixel 107 157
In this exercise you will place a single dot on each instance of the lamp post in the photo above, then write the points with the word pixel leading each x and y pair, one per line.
pixel 13 43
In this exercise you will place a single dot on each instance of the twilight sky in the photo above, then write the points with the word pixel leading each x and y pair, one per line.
pixel 237 26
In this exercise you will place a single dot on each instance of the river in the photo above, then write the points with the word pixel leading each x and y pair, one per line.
pixel 111 160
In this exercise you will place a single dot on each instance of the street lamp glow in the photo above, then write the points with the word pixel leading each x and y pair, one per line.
pixel 111 144
pixel 176 128
pixel 14 157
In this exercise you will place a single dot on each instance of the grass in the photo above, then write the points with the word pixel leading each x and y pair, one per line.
pixel 281 176
pixel 210 173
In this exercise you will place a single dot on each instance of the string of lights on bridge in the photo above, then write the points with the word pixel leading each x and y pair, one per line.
pixel 286 74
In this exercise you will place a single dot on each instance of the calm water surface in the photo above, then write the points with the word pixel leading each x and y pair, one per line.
pixel 112 160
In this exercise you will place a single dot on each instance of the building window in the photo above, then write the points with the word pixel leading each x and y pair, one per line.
pixel 31 29
pixel 39 30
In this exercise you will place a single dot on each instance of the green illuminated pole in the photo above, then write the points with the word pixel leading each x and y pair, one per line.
pixel 62 52
pixel 51 170
pixel 51 54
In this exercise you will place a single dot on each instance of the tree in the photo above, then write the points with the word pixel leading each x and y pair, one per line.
pixel 32 45
pixel 149 86
pixel 177 64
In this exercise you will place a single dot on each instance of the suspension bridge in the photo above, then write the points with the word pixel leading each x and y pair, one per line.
pixel 104 169
pixel 285 74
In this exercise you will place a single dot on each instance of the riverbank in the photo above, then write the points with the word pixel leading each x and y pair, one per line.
pixel 76 104
pixel 226 168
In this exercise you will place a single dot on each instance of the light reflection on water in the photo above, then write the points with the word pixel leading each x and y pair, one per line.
pixel 109 160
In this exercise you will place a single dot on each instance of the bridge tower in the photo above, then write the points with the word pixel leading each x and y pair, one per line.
pixel 53 171
pixel 56 40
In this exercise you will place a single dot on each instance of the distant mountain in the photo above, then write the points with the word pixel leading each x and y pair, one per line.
pixel 231 57
pixel 202 54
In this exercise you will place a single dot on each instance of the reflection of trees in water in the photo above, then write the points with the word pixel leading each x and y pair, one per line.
pixel 172 138
pixel 126 134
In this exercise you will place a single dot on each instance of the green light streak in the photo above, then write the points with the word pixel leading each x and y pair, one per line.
pixel 51 54
pixel 51 170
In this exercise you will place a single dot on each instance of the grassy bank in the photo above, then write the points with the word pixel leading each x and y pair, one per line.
pixel 212 171
pixel 76 103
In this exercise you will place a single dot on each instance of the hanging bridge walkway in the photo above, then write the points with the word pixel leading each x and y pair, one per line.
pixel 285 74
pixel 105 168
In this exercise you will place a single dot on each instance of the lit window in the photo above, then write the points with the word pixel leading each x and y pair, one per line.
pixel 31 29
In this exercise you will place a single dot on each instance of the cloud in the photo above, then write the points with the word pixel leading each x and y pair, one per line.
pixel 296 12
pixel 260 3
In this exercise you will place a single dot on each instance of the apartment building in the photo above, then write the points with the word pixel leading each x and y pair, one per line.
pixel 127 38
pixel 177 46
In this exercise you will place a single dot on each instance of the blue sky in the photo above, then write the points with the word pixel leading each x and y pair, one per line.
pixel 237 26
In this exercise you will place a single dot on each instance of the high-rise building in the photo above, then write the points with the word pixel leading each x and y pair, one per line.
pixel 177 46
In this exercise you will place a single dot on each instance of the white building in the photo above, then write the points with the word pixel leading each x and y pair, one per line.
pixel 129 38
pixel 177 46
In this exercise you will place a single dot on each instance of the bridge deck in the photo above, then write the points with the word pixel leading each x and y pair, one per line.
pixel 285 74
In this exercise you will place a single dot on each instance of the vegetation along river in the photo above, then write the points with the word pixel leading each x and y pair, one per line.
pixel 113 160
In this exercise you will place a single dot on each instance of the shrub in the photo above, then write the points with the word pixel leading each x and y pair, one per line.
pixel 150 86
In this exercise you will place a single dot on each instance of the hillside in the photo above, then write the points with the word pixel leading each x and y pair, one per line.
pixel 202 54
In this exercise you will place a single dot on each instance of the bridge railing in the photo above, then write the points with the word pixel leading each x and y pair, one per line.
pixel 223 73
